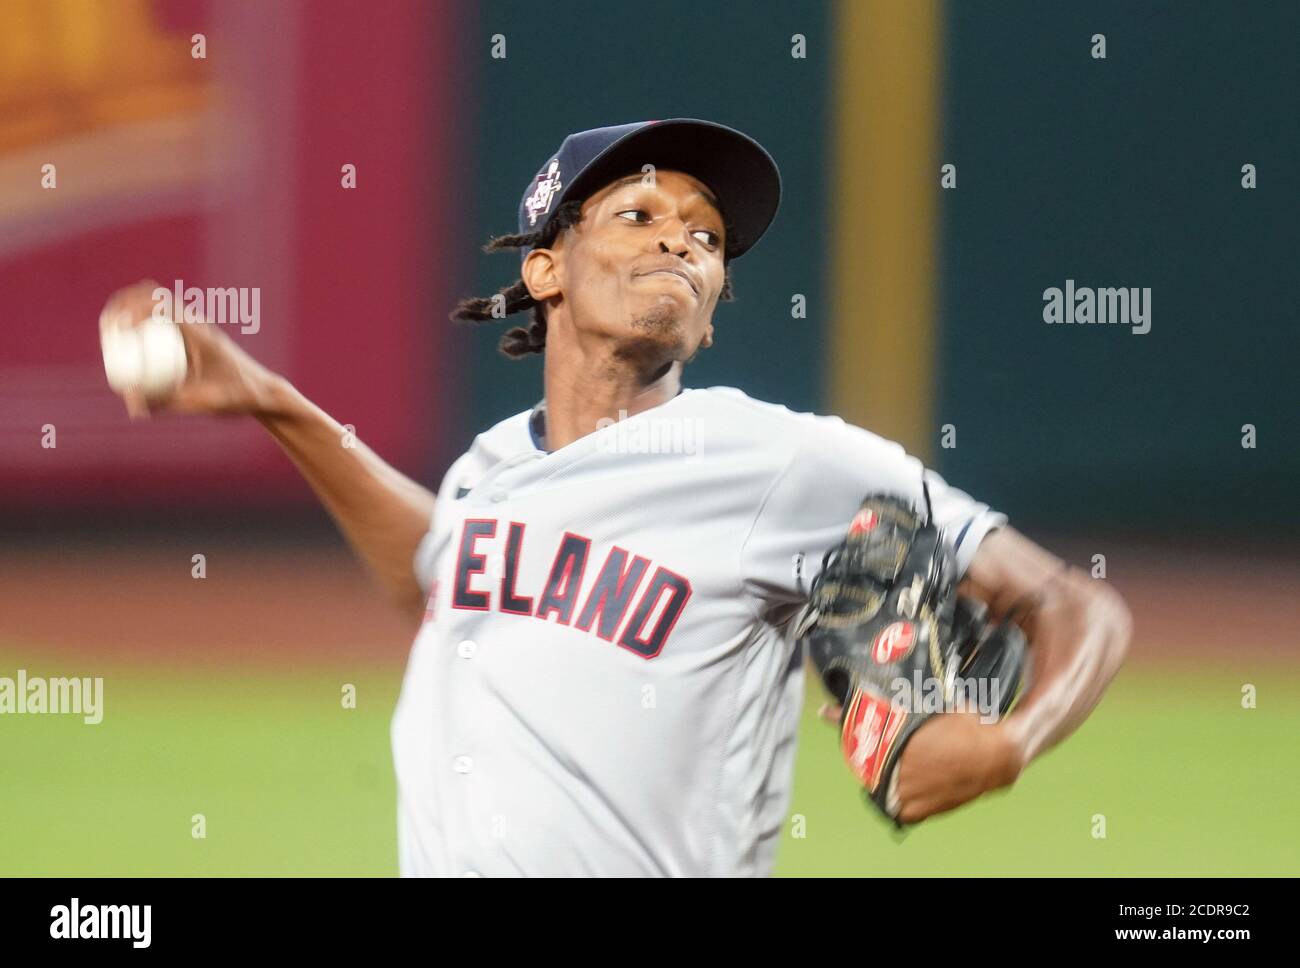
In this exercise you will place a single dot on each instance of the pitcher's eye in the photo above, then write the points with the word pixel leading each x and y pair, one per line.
pixel 712 237
pixel 635 211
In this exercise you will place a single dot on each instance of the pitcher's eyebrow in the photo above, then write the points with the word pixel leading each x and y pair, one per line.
pixel 705 193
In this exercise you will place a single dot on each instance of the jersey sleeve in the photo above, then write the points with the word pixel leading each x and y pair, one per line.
pixel 808 507
pixel 423 560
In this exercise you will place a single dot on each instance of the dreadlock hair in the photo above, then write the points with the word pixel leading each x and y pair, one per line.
pixel 522 341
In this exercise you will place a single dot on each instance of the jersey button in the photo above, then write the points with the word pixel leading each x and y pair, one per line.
pixel 498 495
pixel 466 649
pixel 462 764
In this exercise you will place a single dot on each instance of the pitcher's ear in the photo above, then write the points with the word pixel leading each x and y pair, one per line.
pixel 540 274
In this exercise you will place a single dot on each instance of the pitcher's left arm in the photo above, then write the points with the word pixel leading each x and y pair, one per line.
pixel 1078 630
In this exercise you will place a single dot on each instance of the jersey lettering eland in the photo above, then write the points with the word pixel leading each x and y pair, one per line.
pixel 615 593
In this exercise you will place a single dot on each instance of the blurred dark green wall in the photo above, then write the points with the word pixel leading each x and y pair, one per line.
pixel 1122 172
pixel 1117 172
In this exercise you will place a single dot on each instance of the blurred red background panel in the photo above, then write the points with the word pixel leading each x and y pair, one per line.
pixel 227 172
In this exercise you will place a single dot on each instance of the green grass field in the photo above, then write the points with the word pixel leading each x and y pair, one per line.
pixel 290 783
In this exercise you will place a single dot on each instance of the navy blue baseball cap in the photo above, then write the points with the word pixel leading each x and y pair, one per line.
pixel 735 167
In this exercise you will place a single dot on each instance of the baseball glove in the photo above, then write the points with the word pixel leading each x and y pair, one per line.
pixel 895 645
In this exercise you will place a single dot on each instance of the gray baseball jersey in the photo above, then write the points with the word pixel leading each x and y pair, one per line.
pixel 605 681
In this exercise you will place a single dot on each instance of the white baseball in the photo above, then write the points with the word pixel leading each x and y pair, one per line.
pixel 148 358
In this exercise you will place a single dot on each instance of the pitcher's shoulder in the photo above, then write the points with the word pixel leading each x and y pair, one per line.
pixel 775 420
pixel 504 438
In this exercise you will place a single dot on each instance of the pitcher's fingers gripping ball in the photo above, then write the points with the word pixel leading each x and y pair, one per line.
pixel 145 357
pixel 895 645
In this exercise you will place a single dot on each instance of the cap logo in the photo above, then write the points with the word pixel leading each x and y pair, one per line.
pixel 548 186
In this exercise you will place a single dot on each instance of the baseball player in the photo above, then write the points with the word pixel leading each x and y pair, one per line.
pixel 605 679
